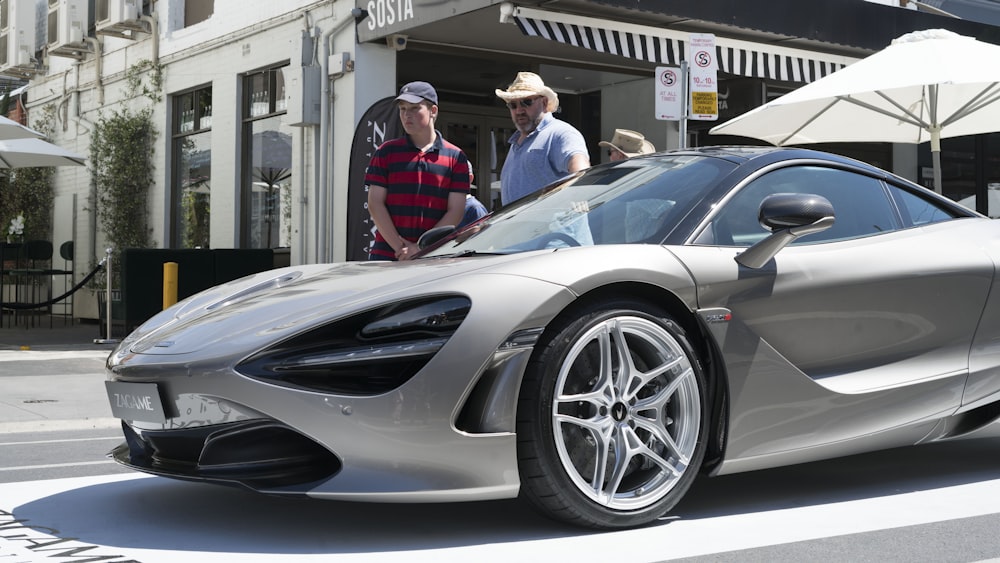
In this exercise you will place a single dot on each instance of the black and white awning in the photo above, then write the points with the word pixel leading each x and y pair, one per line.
pixel 667 46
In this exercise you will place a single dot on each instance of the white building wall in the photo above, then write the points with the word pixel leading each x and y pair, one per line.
pixel 241 36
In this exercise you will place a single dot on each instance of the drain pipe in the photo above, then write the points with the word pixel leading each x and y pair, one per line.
pixel 324 146
pixel 154 33
pixel 98 69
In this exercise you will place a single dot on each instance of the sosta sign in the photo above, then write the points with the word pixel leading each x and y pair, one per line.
pixel 386 13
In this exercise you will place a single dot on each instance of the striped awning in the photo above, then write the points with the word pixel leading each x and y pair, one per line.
pixel 667 46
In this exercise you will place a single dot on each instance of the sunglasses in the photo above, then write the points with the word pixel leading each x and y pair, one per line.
pixel 526 103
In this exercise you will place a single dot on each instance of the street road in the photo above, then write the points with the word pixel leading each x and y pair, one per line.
pixel 62 500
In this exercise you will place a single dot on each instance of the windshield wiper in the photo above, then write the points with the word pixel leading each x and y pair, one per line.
pixel 469 252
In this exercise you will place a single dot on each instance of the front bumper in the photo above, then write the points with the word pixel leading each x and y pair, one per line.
pixel 259 454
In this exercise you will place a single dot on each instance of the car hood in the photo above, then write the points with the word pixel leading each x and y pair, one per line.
pixel 277 303
pixel 271 306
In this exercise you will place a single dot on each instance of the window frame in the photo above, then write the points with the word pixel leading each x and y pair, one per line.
pixel 201 124
pixel 274 87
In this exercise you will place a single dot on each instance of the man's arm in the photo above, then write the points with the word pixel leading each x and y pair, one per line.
pixel 578 162
pixel 383 221
pixel 456 210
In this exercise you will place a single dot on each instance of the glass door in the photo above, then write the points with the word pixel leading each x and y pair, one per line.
pixel 483 138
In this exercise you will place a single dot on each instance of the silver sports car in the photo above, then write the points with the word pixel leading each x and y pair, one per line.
pixel 590 348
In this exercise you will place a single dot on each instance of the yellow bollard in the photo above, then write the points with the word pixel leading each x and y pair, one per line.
pixel 169 284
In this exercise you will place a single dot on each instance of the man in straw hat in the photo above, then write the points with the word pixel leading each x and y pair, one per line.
pixel 416 182
pixel 626 144
pixel 544 148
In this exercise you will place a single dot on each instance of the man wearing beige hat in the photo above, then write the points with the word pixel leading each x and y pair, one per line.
pixel 626 143
pixel 544 148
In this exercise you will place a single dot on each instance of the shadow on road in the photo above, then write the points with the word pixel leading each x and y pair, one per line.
pixel 163 514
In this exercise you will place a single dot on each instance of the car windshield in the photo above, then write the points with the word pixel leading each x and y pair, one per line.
pixel 634 201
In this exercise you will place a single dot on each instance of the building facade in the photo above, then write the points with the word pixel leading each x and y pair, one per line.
pixel 269 110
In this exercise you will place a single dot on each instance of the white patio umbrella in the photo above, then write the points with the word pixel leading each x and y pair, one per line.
pixel 925 86
pixel 10 129
pixel 24 153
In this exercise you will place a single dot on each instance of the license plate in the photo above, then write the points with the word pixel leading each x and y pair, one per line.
pixel 135 401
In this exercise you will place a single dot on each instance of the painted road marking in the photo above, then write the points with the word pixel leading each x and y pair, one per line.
pixel 36 442
pixel 55 465
pixel 46 425
pixel 43 355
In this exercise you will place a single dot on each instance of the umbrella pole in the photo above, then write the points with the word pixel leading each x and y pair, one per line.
pixel 936 157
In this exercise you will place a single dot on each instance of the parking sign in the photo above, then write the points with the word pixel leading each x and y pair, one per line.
pixel 669 104
pixel 704 80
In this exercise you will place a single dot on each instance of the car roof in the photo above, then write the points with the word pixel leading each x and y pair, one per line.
pixel 744 153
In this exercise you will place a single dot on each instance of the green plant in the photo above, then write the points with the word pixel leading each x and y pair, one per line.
pixel 196 209
pixel 121 149
pixel 286 212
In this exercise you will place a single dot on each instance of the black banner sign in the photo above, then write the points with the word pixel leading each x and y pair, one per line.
pixel 379 124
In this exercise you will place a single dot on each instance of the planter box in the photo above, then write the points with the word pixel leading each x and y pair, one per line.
pixel 85 304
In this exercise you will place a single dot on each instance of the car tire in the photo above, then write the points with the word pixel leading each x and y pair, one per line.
pixel 612 417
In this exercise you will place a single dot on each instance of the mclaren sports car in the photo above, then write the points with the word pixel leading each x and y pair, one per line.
pixel 591 348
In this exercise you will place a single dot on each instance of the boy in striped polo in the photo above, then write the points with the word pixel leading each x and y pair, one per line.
pixel 416 182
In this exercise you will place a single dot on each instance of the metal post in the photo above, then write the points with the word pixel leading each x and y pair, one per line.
pixel 682 125
pixel 107 302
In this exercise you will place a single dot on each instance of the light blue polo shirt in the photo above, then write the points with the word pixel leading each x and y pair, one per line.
pixel 541 159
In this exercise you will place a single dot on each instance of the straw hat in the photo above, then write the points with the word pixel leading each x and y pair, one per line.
pixel 527 85
pixel 630 143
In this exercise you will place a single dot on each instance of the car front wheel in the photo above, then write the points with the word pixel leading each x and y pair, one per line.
pixel 612 417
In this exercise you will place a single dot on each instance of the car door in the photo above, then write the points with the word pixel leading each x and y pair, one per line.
pixel 848 333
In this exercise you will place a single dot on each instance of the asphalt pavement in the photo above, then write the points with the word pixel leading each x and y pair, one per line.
pixel 53 378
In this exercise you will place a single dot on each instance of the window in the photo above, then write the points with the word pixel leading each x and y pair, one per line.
pixel 917 210
pixel 192 194
pixel 196 11
pixel 861 205
pixel 267 162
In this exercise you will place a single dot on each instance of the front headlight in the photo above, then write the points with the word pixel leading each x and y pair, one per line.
pixel 366 354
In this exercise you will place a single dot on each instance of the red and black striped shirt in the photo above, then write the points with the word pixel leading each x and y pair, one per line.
pixel 417 185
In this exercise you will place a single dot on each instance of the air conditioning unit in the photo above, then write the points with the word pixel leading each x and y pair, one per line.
pixel 119 18
pixel 17 38
pixel 67 28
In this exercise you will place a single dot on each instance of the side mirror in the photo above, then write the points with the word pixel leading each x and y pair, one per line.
pixel 788 217
pixel 434 235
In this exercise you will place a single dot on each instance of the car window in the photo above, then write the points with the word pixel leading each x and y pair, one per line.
pixel 861 205
pixel 917 210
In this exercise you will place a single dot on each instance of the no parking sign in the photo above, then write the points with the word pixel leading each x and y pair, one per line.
pixel 669 93
pixel 698 74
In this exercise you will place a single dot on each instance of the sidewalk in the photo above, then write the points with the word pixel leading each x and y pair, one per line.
pixel 53 378
pixel 76 336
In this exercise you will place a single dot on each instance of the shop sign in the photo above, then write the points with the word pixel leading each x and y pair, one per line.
pixel 386 17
